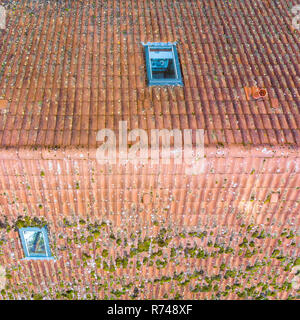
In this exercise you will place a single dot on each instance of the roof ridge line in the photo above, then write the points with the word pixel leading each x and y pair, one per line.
pixel 210 151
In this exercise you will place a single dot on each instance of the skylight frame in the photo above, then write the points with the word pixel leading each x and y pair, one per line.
pixel 36 256
pixel 178 81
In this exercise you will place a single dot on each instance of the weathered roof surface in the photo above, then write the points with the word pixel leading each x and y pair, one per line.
pixel 69 69
pixel 207 218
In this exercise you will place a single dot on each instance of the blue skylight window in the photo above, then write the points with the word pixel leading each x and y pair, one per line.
pixel 35 243
pixel 162 63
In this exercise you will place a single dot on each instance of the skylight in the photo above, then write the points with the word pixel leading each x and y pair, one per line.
pixel 162 64
pixel 35 243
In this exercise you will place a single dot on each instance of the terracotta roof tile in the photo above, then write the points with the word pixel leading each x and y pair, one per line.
pixel 97 77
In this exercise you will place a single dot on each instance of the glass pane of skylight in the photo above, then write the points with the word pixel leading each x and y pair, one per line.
pixel 163 69
pixel 35 242
pixel 162 63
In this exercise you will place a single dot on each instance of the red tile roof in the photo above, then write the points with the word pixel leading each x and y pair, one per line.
pixel 261 191
pixel 70 69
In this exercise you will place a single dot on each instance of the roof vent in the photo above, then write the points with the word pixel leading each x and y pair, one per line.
pixel 162 64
